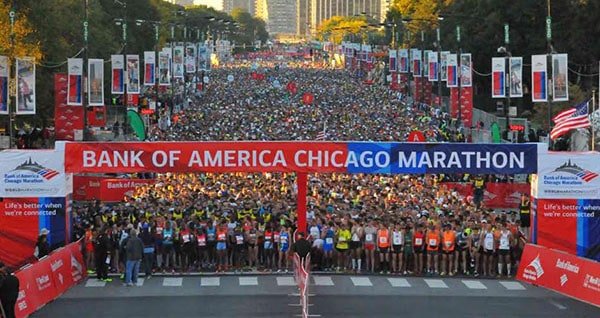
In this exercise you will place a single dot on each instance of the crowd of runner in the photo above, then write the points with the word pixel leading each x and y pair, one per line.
pixel 400 224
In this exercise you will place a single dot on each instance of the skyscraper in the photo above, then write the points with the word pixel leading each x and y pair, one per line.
pixel 279 15
pixel 321 10
pixel 247 5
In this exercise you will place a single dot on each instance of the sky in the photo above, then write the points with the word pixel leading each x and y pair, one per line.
pixel 217 4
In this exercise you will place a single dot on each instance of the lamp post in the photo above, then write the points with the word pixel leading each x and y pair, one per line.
pixel 85 70
pixel 12 16
pixel 439 75
pixel 508 78
pixel 550 66
pixel 123 23
pixel 156 27
pixel 459 77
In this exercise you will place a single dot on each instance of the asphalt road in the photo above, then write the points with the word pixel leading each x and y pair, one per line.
pixel 334 296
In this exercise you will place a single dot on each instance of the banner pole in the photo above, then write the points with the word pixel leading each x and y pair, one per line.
pixel 593 110
pixel 301 183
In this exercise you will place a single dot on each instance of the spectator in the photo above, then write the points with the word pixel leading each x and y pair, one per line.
pixel 134 253
pixel 42 248
pixel 9 291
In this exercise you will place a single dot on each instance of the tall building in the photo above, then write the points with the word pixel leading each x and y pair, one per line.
pixel 216 4
pixel 247 5
pixel 321 10
pixel 279 15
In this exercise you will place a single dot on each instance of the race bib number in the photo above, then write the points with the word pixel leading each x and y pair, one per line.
pixel 201 241
pixel 328 240
pixel 342 239
pixel 186 238
pixel 369 237
pixel 239 239
pixel 448 244
pixel 432 242
pixel 397 240
pixel 489 245
pixel 504 243
pixel 418 241
pixel 383 239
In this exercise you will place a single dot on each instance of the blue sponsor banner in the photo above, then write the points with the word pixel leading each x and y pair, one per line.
pixel 588 227
pixel 398 158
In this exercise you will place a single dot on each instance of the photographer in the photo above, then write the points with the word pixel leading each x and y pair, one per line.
pixel 9 291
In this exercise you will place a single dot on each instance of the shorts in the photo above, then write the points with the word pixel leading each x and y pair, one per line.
pixel 397 249
pixel 221 246
pixel 489 252
pixel 328 247
pixel 284 249
pixel 448 252
pixel 354 245
pixel 503 252
pixel 369 246
pixel 341 250
pixel 384 250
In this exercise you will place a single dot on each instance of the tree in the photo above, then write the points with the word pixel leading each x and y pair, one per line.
pixel 25 40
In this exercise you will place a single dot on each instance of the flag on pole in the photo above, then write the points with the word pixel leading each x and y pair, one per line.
pixel 498 77
pixel 572 118
pixel 322 134
pixel 433 66
pixel 539 68
pixel 75 82
pixel 452 70
pixel 149 67
pixel 4 85
pixel 404 65
pixel 393 59
pixel 118 82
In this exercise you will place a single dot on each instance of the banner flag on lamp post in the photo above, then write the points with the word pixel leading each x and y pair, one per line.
pixel 4 102
pixel 498 77
pixel 149 68
pixel 516 77
pixel 95 82
pixel 404 64
pixel 539 78
pixel 560 77
pixel 118 83
pixel 75 82
pixel 452 70
pixel 433 66
pixel 393 60
pixel 25 86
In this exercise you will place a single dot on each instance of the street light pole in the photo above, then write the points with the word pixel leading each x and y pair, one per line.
pixel 156 62
pixel 549 59
pixel 125 74
pixel 459 123
pixel 508 77
pixel 85 71
pixel 439 69
pixel 12 16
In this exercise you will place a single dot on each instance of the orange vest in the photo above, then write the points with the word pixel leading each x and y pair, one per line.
pixel 433 241
pixel 383 240
pixel 449 239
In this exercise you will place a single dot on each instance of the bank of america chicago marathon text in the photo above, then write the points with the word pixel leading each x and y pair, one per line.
pixel 303 158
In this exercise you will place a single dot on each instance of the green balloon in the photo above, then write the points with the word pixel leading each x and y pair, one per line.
pixel 137 124
pixel 496 137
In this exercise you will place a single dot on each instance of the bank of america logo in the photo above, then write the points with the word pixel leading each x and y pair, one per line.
pixel 563 279
pixel 576 170
pixel 38 169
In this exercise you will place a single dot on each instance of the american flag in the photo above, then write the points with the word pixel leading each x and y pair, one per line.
pixel 574 117
pixel 321 136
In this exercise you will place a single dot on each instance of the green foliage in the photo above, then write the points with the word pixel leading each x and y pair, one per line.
pixel 52 31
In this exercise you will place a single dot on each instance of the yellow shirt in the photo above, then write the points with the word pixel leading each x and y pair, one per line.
pixel 343 239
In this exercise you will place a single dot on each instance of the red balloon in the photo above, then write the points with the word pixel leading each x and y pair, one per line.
pixel 291 86
pixel 307 98
pixel 254 75
pixel 294 90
